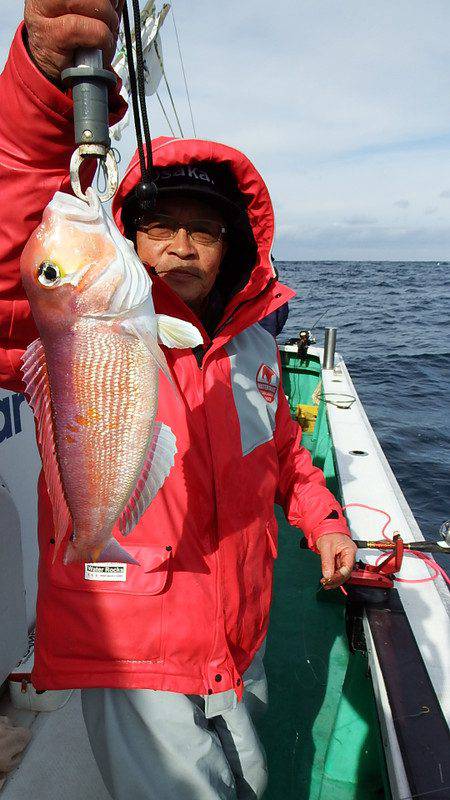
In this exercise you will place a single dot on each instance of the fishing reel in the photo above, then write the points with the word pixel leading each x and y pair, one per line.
pixel 371 584
pixel 302 342
pixel 381 576
pixel 444 532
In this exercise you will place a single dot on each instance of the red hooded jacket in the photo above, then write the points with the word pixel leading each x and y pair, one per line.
pixel 191 617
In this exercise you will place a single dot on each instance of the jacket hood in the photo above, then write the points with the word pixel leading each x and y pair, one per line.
pixel 168 151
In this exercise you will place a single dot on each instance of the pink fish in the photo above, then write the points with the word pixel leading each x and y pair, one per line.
pixel 92 377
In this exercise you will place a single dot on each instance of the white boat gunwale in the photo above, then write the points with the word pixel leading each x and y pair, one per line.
pixel 367 478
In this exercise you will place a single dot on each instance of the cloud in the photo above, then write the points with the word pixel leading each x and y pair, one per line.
pixel 365 243
pixel 360 219
pixel 431 209
pixel 341 106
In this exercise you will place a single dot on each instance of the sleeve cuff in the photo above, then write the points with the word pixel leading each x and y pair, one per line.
pixel 44 92
pixel 328 526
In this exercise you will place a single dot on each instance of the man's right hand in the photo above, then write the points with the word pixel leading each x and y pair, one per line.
pixel 56 28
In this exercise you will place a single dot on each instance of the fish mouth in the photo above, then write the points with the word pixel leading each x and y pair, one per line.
pixel 87 276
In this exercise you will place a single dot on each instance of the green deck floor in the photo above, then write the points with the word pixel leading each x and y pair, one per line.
pixel 320 733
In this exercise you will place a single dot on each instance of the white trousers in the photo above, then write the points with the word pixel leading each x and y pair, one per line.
pixel 153 745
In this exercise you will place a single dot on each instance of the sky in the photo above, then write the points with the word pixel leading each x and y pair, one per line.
pixel 342 105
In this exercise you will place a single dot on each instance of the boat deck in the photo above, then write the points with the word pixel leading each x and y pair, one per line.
pixel 321 732
pixel 58 763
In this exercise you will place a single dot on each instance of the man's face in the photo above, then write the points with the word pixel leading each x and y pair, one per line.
pixel 188 267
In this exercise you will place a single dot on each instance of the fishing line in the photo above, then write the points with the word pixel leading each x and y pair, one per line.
pixel 102 177
pixel 146 190
pixel 431 564
pixel 165 114
pixel 168 89
pixel 183 71
pixel 140 74
pixel 133 89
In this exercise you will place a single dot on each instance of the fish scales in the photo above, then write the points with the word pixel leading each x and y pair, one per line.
pixel 104 419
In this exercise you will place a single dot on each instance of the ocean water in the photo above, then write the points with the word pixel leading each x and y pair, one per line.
pixel 393 330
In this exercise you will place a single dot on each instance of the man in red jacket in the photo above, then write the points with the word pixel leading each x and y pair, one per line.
pixel 169 658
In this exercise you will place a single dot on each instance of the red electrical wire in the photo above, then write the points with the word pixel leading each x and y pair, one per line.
pixel 432 564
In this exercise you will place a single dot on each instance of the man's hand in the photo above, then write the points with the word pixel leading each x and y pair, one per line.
pixel 56 28
pixel 337 553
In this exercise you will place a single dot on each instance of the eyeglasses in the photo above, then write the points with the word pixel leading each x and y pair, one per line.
pixel 202 231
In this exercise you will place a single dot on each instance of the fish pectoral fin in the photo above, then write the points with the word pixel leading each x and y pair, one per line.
pixel 35 377
pixel 159 461
pixel 175 332
pixel 132 328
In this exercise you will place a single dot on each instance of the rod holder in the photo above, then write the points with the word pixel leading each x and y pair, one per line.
pixel 329 348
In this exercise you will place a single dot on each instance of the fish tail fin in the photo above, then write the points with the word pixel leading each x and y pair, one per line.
pixel 112 551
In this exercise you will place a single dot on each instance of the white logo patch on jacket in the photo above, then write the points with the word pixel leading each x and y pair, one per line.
pixel 254 379
pixel 267 382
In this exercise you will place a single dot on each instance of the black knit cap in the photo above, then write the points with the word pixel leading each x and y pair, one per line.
pixel 208 181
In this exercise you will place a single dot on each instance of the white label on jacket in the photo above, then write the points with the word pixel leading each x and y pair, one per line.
pixel 105 571
pixel 255 377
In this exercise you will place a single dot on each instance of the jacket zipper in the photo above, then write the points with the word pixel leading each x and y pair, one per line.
pixel 200 354
pixel 219 595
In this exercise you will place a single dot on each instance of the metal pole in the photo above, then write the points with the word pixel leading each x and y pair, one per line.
pixel 329 348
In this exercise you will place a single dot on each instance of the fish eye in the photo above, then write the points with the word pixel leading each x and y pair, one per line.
pixel 48 273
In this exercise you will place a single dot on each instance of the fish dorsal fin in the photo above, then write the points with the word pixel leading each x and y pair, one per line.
pixel 35 376
pixel 159 461
pixel 175 332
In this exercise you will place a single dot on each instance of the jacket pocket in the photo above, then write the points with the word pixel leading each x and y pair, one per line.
pixel 150 576
pixel 271 552
pixel 107 612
